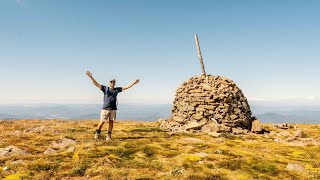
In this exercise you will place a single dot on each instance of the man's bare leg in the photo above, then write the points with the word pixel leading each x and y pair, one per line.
pixel 110 126
pixel 110 129
pixel 99 127
pixel 98 130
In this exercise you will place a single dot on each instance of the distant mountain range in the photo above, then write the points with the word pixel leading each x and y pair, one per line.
pixel 267 114
pixel 83 111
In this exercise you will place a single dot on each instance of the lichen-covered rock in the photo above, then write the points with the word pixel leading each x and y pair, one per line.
pixel 11 150
pixel 205 99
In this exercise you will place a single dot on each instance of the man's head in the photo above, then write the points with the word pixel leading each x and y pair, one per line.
pixel 112 83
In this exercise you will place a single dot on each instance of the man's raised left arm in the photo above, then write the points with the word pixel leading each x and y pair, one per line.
pixel 130 85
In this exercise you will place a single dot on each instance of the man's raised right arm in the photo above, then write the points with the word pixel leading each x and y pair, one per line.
pixel 89 74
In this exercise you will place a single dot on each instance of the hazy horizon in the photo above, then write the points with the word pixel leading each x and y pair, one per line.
pixel 267 113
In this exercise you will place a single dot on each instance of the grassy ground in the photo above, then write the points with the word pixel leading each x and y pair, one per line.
pixel 141 151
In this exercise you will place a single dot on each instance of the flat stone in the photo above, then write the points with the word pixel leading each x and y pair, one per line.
pixel 38 129
pixel 207 87
pixel 198 95
pixel 195 91
pixel 11 150
pixel 237 131
pixel 161 119
pixel 201 154
pixel 193 125
pixel 17 132
pixel 164 125
pixel 64 143
pixel 298 133
pixel 208 107
pixel 256 126
pixel 198 116
pixel 295 167
pixel 233 116
pixel 19 161
pixel 178 118
pixel 210 100
pixel 214 134
pixel 71 149
pixel 217 116
pixel 50 151
pixel 210 127
pixel 237 110
pixel 223 128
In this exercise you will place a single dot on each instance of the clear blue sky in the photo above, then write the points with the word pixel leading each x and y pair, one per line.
pixel 270 48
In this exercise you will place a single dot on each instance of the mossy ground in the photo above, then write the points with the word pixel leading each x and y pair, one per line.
pixel 140 150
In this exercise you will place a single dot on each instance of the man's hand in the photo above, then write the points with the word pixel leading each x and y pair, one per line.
pixel 93 80
pixel 129 86
pixel 89 74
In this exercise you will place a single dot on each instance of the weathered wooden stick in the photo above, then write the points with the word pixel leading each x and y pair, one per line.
pixel 199 54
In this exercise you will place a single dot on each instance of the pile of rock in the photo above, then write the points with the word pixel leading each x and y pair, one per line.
pixel 209 103
pixel 284 126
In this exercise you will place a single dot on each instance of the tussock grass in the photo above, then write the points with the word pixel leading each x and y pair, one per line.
pixel 140 150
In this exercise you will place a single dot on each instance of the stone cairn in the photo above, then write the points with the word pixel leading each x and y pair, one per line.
pixel 209 103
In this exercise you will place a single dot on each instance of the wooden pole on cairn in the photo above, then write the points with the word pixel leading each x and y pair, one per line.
pixel 199 54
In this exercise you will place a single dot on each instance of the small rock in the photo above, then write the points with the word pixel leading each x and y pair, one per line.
pixel 223 128
pixel 217 116
pixel 160 120
pixel 207 87
pixel 214 134
pixel 38 129
pixel 198 116
pixel 272 133
pixel 10 150
pixel 295 167
pixel 292 138
pixel 164 125
pixel 237 131
pixel 256 126
pixel 278 140
pixel 298 133
pixel 19 161
pixel 50 151
pixel 218 151
pixel 193 125
pixel 16 132
pixel 71 149
pixel 233 116
pixel 178 118
pixel 201 154
pixel 284 134
pixel 210 127
pixel 65 142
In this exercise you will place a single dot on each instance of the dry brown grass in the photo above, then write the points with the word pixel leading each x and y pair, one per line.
pixel 142 151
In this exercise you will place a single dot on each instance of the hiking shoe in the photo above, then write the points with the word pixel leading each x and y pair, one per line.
pixel 108 138
pixel 97 136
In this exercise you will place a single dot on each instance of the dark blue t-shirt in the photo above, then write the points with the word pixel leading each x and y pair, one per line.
pixel 110 97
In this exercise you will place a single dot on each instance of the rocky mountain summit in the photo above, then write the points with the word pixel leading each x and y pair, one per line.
pixel 209 103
